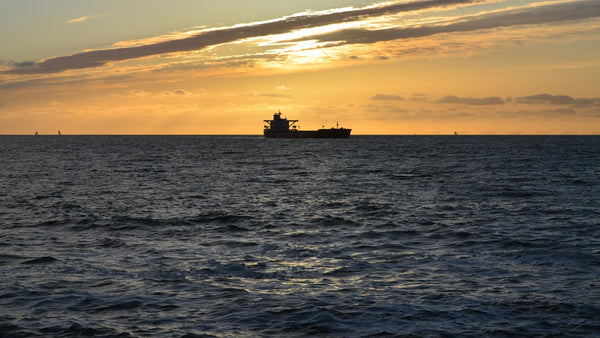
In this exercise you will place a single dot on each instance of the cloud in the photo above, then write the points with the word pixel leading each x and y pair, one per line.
pixel 555 100
pixel 158 95
pixel 177 92
pixel 80 19
pixel 207 38
pixel 24 64
pixel 532 15
pixel 199 40
pixel 387 97
pixel 140 92
pixel 471 101
pixel 547 106
pixel 274 95
pixel 419 97
pixel 541 113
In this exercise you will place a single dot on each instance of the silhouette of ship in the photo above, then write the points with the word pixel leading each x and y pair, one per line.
pixel 283 128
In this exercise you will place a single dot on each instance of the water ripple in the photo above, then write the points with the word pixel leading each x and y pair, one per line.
pixel 246 236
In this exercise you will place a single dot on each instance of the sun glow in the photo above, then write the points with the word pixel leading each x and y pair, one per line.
pixel 303 33
pixel 397 67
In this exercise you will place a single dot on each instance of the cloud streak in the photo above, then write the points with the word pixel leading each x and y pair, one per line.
pixel 492 100
pixel 539 99
pixel 76 20
pixel 534 106
pixel 529 15
pixel 214 37
pixel 384 97
pixel 556 100
pixel 534 15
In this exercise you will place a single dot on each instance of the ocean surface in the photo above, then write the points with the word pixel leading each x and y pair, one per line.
pixel 191 236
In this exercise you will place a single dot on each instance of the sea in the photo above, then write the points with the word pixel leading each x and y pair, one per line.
pixel 242 236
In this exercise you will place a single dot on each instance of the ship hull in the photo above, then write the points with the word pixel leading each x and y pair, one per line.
pixel 321 133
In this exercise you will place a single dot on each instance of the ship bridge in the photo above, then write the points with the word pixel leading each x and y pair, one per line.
pixel 280 124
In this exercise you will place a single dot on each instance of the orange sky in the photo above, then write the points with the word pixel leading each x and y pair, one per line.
pixel 424 67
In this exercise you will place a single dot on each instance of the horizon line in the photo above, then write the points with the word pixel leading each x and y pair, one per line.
pixel 261 135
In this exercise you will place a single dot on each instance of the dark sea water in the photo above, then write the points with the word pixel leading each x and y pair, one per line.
pixel 176 236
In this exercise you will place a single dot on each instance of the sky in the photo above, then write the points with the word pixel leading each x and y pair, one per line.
pixel 206 67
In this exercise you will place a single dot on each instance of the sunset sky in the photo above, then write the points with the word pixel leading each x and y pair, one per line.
pixel 222 67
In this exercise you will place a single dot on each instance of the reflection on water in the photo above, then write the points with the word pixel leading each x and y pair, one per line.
pixel 167 236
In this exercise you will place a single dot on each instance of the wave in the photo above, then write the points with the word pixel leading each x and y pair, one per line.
pixel 111 243
pixel 78 330
pixel 8 258
pixel 41 260
pixel 373 236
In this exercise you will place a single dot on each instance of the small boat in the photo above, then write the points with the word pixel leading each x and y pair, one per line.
pixel 280 127
pixel 59 133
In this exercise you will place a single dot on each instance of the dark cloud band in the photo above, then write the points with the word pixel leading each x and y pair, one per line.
pixel 544 14
pixel 219 36
pixel 556 100
pixel 549 13
pixel 492 100
pixel 540 99
pixel 385 97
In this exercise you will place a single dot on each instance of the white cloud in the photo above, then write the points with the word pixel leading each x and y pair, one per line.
pixel 76 20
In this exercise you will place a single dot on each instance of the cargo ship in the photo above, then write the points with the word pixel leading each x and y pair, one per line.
pixel 280 127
